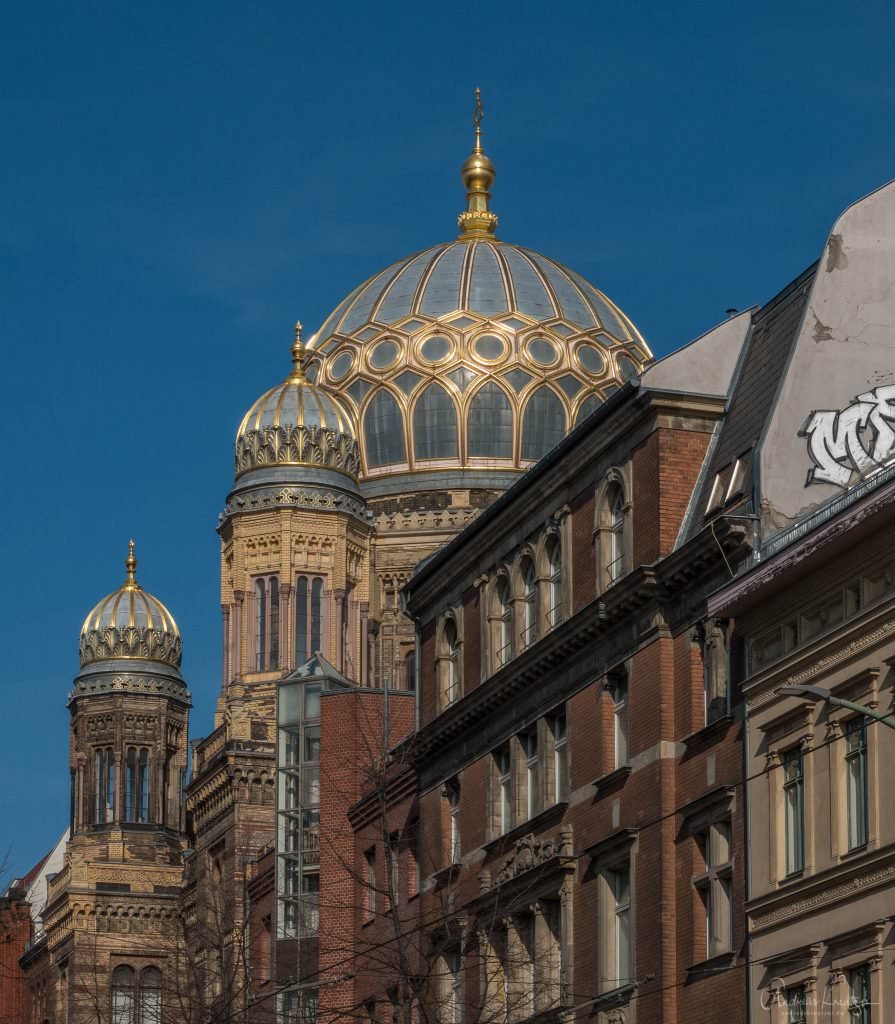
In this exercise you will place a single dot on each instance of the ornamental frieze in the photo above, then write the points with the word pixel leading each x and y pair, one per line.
pixel 293 445
pixel 531 852
pixel 130 642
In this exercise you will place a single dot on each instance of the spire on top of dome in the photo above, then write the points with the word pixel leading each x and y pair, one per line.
pixel 298 354
pixel 477 175
pixel 130 565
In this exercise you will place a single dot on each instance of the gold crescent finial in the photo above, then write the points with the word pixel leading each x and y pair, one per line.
pixel 477 220
pixel 298 353
pixel 130 564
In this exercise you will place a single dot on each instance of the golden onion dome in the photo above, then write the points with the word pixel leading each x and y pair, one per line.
pixel 297 423
pixel 130 623
pixel 472 355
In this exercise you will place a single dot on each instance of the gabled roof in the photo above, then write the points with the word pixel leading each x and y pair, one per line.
pixel 317 667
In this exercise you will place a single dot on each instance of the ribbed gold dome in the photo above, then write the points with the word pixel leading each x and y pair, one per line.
pixel 297 423
pixel 130 623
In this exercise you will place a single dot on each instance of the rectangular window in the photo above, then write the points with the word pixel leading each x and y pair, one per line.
pixel 714 886
pixel 794 810
pixel 622 937
pixel 560 756
pixel 504 794
pixel 856 781
pixel 532 773
pixel 620 722
pixel 454 810
pixel 796 1009
pixel 859 1004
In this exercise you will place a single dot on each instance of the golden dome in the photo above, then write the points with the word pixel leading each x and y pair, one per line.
pixel 130 623
pixel 473 355
pixel 297 423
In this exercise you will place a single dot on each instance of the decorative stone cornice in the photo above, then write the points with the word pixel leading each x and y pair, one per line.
pixel 310 497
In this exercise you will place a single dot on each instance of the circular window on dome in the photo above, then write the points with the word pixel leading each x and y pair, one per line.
pixel 627 368
pixel 490 347
pixel 340 366
pixel 312 371
pixel 384 355
pixel 542 351
pixel 436 348
pixel 591 358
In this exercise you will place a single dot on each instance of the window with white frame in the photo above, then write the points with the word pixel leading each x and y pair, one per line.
pixel 529 631
pixel 504 621
pixel 503 790
pixel 532 767
pixel 794 810
pixel 615 566
pixel 620 935
pixel 620 724
pixel 559 734
pixel 449 662
pixel 713 883
pixel 856 781
pixel 554 602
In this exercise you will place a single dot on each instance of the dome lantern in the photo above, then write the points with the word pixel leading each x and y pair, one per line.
pixel 477 175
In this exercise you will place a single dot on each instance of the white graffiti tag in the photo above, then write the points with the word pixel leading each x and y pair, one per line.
pixel 838 441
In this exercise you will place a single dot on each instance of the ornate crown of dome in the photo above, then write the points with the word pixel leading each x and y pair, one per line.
pixel 130 623
pixel 297 423
pixel 473 354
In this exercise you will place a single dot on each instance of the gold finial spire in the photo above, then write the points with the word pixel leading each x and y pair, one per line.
pixel 477 175
pixel 130 564
pixel 298 354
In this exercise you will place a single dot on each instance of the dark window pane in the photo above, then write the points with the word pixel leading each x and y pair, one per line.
pixel 301 621
pixel 384 431
pixel 490 427
pixel 543 424
pixel 435 425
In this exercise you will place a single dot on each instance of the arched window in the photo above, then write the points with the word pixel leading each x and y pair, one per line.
pixel 384 431
pixel 273 642
pixel 123 996
pixel 410 670
pixel 489 425
pixel 503 649
pixel 136 788
pixel 150 997
pixel 616 564
pixel 450 643
pixel 435 425
pixel 543 423
pixel 260 623
pixel 308 617
pixel 529 603
pixel 105 787
pixel 554 583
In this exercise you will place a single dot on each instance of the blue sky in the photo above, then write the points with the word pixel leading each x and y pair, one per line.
pixel 180 182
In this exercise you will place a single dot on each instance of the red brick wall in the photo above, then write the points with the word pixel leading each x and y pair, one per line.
pixel 15 933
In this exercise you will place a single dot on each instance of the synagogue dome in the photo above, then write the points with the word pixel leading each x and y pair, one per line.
pixel 473 354
pixel 130 623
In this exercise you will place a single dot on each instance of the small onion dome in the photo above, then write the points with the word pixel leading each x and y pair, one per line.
pixel 297 423
pixel 130 623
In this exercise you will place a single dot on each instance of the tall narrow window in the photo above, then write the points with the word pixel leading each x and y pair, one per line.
pixel 150 996
pixel 489 426
pixel 273 643
pixel 616 565
pixel 504 622
pixel 714 886
pixel 621 889
pixel 560 756
pixel 796 1010
pixel 451 661
pixel 143 786
pixel 794 810
pixel 453 988
pixel 543 423
pixel 859 1004
pixel 130 786
pixel 260 625
pixel 435 425
pixel 532 773
pixel 370 879
pixel 308 617
pixel 856 776
pixel 384 431
pixel 620 721
pixel 410 670
pixel 504 794
pixel 123 996
pixel 454 811
pixel 554 584
pixel 529 604
pixel 105 786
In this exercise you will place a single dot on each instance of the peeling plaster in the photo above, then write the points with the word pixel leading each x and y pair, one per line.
pixel 836 258
pixel 821 331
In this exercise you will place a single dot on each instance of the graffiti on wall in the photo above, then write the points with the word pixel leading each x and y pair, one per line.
pixel 857 439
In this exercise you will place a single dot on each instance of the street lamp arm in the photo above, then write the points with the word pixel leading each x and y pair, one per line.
pixel 818 693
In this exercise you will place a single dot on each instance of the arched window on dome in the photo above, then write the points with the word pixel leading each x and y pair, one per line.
pixel 588 406
pixel 384 431
pixel 543 423
pixel 308 617
pixel 489 424
pixel 435 425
